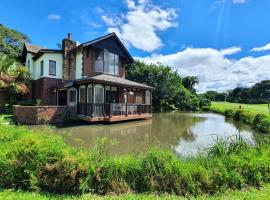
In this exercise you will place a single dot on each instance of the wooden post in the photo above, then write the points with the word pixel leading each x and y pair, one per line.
pixel 92 104
pixel 150 101
pixel 85 100
pixel 104 100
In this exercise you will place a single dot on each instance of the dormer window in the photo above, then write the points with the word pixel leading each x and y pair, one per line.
pixel 107 62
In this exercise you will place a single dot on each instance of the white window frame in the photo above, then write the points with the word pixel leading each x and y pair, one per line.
pixel 68 95
pixel 149 93
pixel 82 87
pixel 96 86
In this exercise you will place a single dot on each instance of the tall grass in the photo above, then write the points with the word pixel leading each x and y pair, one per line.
pixel 37 161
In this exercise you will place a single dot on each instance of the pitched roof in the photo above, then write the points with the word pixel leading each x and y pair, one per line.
pixel 32 48
pixel 91 42
pixel 104 78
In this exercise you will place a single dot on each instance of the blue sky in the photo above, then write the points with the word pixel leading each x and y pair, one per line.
pixel 224 42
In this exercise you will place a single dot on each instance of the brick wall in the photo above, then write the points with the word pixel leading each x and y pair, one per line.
pixel 43 114
pixel 43 89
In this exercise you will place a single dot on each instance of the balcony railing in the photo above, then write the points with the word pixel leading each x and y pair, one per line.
pixel 112 109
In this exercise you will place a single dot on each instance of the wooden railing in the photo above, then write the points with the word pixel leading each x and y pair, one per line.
pixel 112 109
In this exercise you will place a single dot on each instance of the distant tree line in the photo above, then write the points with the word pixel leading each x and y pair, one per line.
pixel 257 94
pixel 171 91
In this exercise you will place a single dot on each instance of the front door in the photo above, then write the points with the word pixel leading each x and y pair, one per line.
pixel 62 97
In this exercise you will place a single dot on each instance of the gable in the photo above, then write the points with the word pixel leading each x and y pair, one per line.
pixel 111 43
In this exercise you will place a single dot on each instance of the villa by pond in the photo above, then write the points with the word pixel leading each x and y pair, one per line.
pixel 183 133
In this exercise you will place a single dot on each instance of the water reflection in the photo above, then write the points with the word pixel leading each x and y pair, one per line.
pixel 183 133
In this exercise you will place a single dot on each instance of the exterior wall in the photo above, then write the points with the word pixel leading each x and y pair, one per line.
pixel 79 64
pixel 46 57
pixel 44 89
pixel 29 57
pixel 43 114
pixel 88 62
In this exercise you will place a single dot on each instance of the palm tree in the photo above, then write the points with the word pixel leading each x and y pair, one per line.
pixel 189 82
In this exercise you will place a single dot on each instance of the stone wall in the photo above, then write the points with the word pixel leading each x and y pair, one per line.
pixel 43 114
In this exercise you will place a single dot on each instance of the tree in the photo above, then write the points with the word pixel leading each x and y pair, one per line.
pixel 215 96
pixel 189 83
pixel 11 41
pixel 169 91
pixel 13 78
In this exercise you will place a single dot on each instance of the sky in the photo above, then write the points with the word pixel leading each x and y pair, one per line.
pixel 226 43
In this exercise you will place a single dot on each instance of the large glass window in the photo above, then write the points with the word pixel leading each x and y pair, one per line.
pixel 82 94
pixel 147 97
pixel 52 67
pixel 98 94
pixel 72 96
pixel 89 94
pixel 107 62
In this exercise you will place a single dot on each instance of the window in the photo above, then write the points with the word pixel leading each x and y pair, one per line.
pixel 147 97
pixel 99 61
pixel 41 67
pixel 52 68
pixel 28 65
pixel 107 62
pixel 82 94
pixel 89 94
pixel 98 94
pixel 72 96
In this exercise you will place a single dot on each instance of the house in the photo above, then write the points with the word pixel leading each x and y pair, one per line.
pixel 89 77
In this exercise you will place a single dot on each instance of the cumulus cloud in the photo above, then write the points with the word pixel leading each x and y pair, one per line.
pixel 213 67
pixel 139 26
pixel 264 48
pixel 54 17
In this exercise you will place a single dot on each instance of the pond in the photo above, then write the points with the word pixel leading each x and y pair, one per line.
pixel 183 133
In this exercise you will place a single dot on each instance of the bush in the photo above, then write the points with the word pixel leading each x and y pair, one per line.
pixel 262 123
pixel 44 163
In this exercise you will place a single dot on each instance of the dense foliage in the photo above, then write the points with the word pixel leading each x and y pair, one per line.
pixel 169 92
pixel 215 96
pixel 13 80
pixel 11 41
pixel 42 162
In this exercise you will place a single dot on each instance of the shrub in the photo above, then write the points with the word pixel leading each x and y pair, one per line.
pixel 229 113
pixel 262 123
pixel 44 163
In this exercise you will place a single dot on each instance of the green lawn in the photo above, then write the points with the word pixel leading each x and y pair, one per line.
pixel 250 194
pixel 251 108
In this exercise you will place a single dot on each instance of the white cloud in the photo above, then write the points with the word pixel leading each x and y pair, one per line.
pixel 54 17
pixel 214 69
pixel 240 1
pixel 264 48
pixel 139 27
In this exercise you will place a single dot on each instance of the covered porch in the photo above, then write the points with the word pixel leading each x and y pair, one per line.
pixel 111 99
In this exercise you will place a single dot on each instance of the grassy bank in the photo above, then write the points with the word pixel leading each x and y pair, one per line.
pixel 41 162
pixel 249 194
pixel 256 115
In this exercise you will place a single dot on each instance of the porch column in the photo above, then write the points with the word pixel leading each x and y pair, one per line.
pixel 104 100
pixel 92 104
pixel 150 101
pixel 85 99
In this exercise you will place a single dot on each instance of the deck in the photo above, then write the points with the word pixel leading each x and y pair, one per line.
pixel 113 112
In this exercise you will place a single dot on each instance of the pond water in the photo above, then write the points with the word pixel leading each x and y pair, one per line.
pixel 183 133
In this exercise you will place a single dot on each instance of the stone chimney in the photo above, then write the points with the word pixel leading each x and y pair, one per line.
pixel 69 58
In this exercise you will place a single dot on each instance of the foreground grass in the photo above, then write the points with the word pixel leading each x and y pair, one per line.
pixel 42 162
pixel 256 115
pixel 249 194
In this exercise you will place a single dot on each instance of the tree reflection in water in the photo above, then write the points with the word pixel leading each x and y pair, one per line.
pixel 177 131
